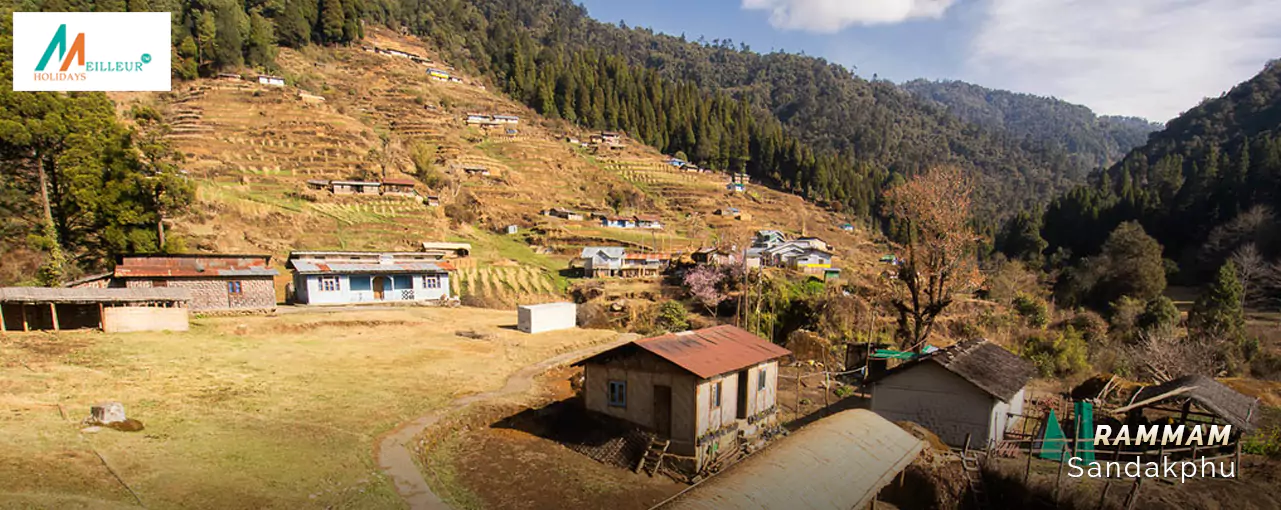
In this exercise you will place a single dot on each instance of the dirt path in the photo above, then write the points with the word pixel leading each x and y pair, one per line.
pixel 396 458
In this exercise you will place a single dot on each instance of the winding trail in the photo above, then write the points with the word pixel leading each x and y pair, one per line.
pixel 395 456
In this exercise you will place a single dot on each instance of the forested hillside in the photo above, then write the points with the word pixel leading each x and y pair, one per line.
pixel 1090 140
pixel 1204 186
pixel 551 54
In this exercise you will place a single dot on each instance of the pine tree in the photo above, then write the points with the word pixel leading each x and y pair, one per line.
pixel 1219 314
pixel 331 21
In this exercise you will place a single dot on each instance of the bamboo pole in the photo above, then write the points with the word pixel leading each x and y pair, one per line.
pixel 2 328
pixel 26 326
pixel 1027 471
pixel 1104 497
pixel 53 312
pixel 1133 498
pixel 1058 480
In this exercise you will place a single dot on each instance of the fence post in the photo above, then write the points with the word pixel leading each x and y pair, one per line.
pixel 1237 459
pixel 1027 471
pixel 1134 494
pixel 1104 498
pixel 1058 481
pixel 966 450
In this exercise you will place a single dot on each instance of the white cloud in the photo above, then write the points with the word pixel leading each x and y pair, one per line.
pixel 829 16
pixel 1150 58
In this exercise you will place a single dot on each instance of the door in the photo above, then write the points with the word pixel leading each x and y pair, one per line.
pixel 742 394
pixel 380 287
pixel 663 410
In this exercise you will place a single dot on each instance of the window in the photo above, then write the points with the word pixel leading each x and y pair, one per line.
pixel 160 283
pixel 329 283
pixel 358 283
pixel 618 393
pixel 716 394
pixel 760 378
pixel 431 282
pixel 233 288
pixel 402 282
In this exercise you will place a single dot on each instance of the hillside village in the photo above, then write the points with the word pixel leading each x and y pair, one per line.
pixel 402 288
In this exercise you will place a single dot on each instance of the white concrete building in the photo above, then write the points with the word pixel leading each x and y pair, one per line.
pixel 535 319
pixel 332 278
pixel 968 389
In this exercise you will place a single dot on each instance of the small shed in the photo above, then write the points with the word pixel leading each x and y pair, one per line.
pixel 970 389
pixel 317 184
pixel 706 390
pixel 432 201
pixel 534 319
pixel 274 81
pixel 1194 395
pixel 839 462
pixel 355 187
pixel 400 187
pixel 113 310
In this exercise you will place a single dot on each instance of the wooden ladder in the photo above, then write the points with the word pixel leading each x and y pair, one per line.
pixel 653 456
pixel 972 462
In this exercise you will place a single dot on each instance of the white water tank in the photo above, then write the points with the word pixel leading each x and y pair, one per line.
pixel 546 317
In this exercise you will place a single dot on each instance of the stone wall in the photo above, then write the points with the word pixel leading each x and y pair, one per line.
pixel 257 293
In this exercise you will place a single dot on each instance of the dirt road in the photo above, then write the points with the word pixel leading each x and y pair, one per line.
pixel 395 455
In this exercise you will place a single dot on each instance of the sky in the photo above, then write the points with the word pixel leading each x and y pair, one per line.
pixel 1145 58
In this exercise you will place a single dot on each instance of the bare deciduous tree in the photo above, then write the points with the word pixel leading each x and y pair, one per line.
pixel 1161 355
pixel 939 261
pixel 1252 269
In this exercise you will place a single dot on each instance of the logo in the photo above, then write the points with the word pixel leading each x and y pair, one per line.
pixel 59 43
pixel 78 51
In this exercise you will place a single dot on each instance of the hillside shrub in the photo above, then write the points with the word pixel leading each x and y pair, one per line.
pixel 1057 353
pixel 672 316
pixel 1034 310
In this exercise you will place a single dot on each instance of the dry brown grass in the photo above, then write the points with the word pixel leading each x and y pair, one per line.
pixel 282 417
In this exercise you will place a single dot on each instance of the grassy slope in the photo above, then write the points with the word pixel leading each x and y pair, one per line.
pixel 252 147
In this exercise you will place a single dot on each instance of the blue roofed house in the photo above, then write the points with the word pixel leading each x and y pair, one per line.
pixel 618 221
pixel 340 277
pixel 603 262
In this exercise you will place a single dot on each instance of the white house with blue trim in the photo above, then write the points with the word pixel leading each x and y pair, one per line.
pixel 343 277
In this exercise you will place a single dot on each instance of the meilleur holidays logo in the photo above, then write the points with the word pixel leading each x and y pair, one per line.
pixel 91 51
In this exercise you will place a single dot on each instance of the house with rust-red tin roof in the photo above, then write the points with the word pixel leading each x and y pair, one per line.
pixel 703 390
pixel 218 282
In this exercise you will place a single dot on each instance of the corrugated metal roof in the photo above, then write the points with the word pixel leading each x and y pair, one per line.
pixel 354 183
pixel 647 256
pixel 713 351
pixel 194 266
pixel 836 463
pixel 613 252
pixel 400 182
pixel 318 267
pixel 91 295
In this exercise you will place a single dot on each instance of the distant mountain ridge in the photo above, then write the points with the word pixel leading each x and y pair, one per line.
pixel 1205 169
pixel 1093 141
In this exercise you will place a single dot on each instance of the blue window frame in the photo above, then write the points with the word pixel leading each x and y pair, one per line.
pixel 359 283
pixel 618 393
pixel 402 282
pixel 234 288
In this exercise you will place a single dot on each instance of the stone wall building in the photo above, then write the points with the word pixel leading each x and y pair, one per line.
pixel 216 282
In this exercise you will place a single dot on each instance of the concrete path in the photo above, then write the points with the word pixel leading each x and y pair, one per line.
pixel 395 453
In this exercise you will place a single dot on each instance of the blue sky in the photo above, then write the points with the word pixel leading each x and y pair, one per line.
pixel 1147 58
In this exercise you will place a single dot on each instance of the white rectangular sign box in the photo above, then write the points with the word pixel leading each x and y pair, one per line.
pixel 91 51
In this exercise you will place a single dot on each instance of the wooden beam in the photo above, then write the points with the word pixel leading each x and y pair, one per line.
pixel 2 328
pixel 25 325
pixel 53 312
pixel 102 317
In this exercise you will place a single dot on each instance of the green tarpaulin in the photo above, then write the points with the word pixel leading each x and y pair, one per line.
pixel 1085 431
pixel 1053 442
pixel 892 354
